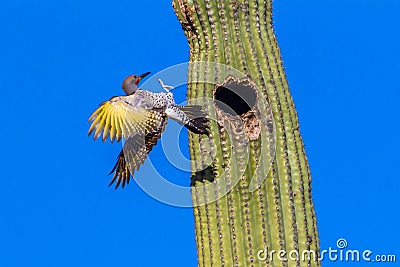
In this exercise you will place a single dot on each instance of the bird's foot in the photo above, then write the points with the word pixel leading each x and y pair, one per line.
pixel 167 88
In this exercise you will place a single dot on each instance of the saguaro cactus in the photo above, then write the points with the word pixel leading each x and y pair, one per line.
pixel 251 181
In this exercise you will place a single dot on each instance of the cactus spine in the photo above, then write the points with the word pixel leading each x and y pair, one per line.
pixel 232 228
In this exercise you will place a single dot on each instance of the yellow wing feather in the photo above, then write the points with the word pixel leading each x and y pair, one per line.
pixel 118 117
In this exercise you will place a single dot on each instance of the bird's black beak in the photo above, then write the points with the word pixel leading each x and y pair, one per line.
pixel 144 74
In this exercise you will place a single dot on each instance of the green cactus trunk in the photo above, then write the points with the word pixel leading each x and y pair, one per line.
pixel 235 225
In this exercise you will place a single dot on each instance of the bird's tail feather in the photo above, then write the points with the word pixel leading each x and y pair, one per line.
pixel 198 122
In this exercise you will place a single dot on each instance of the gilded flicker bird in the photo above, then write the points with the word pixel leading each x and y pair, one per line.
pixel 140 118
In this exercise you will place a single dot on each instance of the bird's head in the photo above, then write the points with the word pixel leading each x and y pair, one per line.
pixel 130 84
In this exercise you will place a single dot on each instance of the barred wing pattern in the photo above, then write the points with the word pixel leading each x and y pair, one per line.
pixel 134 153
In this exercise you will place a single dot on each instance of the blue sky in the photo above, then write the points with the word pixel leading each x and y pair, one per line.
pixel 60 59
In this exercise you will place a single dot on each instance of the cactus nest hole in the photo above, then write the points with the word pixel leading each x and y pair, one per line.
pixel 235 97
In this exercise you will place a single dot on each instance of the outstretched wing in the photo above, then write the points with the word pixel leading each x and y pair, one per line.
pixel 134 153
pixel 124 116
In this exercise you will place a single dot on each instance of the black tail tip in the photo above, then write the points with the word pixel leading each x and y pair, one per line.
pixel 198 126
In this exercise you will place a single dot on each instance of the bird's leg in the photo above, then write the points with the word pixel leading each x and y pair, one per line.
pixel 167 88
